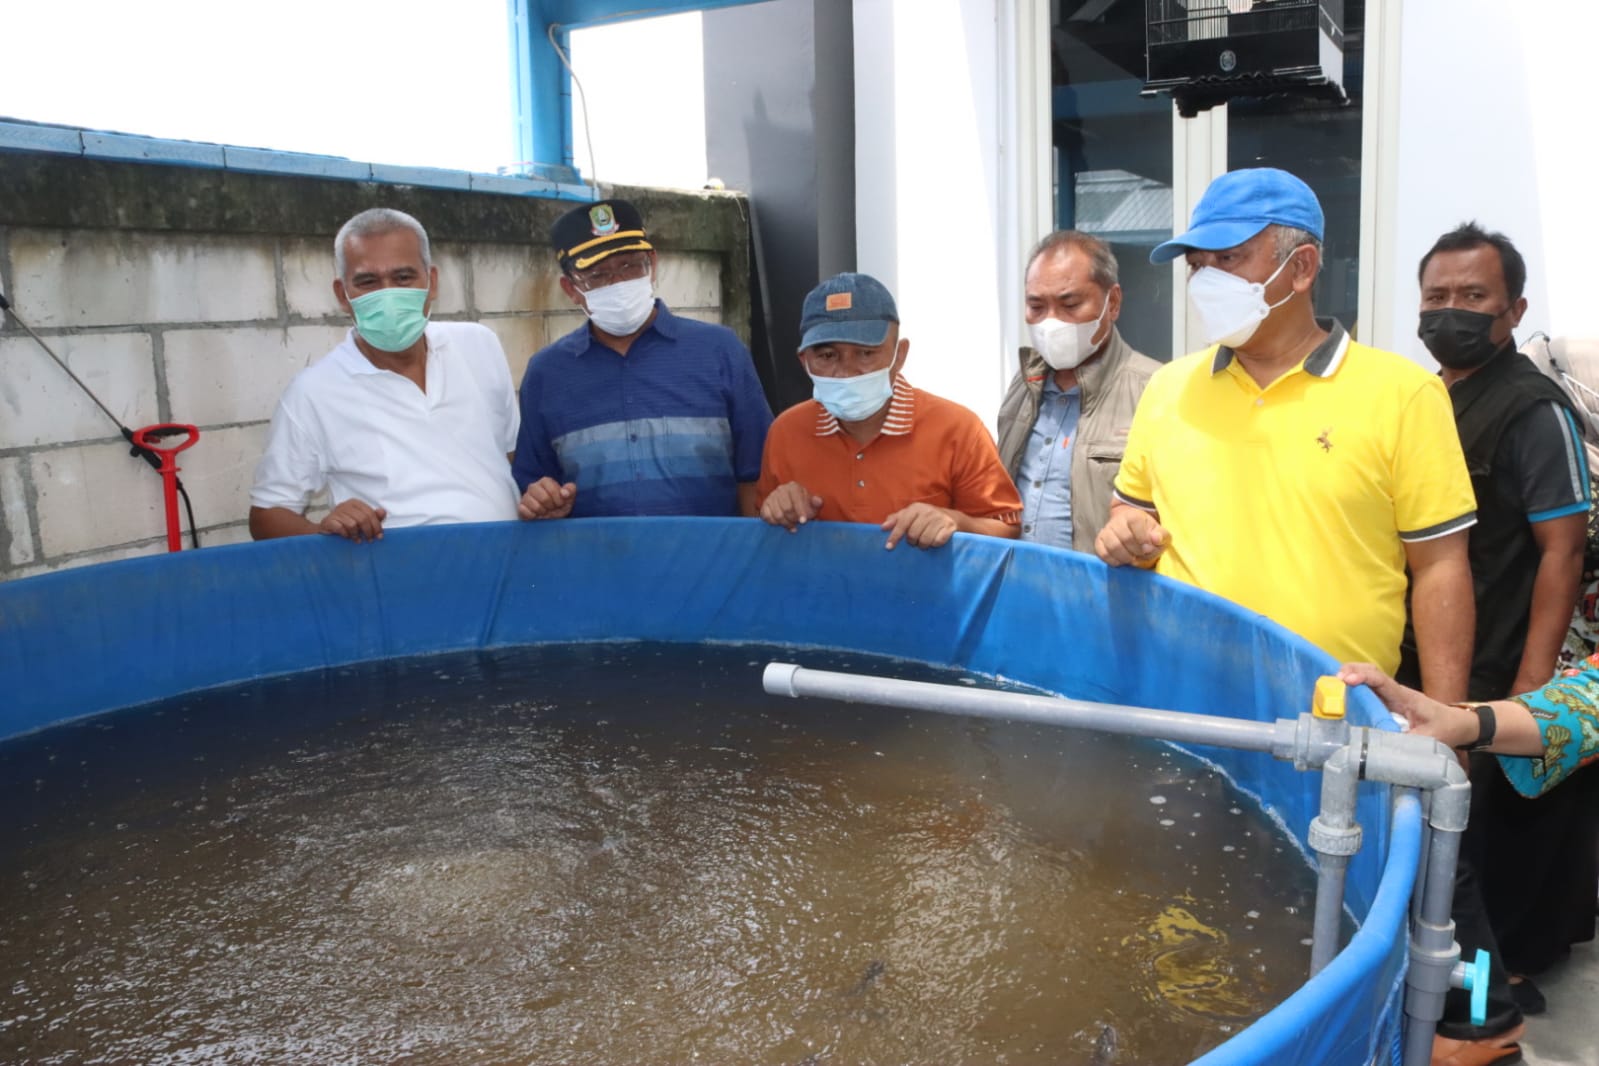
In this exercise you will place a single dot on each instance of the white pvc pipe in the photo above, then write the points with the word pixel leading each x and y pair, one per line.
pixel 788 679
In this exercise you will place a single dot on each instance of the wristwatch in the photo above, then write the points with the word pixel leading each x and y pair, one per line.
pixel 1486 725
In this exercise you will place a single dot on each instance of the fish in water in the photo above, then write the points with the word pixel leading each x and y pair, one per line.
pixel 1105 1047
pixel 873 971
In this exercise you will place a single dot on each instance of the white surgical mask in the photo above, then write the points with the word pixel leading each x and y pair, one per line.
pixel 621 309
pixel 852 399
pixel 1230 307
pixel 1064 345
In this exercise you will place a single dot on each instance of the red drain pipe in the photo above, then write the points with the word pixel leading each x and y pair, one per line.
pixel 150 438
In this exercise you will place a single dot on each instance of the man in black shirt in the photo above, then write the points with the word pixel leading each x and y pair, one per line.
pixel 1529 471
pixel 1524 452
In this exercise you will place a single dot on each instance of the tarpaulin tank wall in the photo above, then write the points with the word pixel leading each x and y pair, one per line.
pixel 97 638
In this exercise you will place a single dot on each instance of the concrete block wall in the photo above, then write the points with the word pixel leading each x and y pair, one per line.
pixel 186 295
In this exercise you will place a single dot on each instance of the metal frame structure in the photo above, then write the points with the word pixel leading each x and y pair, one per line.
pixel 1317 740
pixel 541 84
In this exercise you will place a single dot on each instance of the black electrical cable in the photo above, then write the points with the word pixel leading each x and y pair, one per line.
pixel 137 450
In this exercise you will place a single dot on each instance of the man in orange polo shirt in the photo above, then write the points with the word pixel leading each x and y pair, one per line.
pixel 870 447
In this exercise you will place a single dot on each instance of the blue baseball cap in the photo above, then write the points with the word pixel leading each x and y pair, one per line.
pixel 849 308
pixel 1239 205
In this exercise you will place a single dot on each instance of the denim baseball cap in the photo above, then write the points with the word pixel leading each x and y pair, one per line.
pixel 852 308
pixel 1239 205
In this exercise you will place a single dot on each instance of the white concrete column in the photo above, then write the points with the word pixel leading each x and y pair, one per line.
pixel 1493 125
pixel 929 204
pixel 877 208
pixel 1379 175
pixel 1199 156
pixel 1026 163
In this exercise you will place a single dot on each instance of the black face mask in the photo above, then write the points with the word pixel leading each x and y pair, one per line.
pixel 1457 338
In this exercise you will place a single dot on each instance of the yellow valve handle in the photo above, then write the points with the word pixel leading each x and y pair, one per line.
pixel 1329 698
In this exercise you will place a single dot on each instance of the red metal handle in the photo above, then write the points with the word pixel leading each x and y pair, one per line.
pixel 152 437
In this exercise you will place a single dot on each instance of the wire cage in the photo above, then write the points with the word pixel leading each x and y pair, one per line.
pixel 1205 52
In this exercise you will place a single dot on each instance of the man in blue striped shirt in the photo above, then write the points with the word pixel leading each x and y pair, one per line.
pixel 638 411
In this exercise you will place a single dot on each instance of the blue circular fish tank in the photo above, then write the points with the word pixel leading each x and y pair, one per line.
pixel 87 641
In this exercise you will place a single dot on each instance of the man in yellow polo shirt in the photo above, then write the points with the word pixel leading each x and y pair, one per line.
pixel 1288 468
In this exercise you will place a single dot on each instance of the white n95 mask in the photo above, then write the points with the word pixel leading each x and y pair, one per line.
pixel 1064 345
pixel 1231 308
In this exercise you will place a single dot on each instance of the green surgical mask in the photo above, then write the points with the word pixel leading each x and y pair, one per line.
pixel 391 320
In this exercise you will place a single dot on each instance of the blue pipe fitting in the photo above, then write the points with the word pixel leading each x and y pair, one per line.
pixel 1473 976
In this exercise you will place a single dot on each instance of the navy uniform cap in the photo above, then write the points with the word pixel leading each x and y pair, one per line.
pixel 585 235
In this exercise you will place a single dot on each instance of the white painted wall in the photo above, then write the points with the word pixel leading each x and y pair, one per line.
pixel 1495 124
pixel 929 196
pixel 142 319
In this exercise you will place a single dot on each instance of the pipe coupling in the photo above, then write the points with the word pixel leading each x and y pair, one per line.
pixel 1327 839
pixel 1433 970
pixel 1316 739
pixel 778 679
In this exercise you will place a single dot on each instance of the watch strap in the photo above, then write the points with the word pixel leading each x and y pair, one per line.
pixel 1487 725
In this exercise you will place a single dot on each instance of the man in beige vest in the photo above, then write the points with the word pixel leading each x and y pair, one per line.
pixel 1063 424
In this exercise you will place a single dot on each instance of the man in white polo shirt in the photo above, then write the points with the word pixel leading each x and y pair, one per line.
pixel 405 423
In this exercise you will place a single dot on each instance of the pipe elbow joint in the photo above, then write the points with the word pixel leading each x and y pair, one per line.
pixel 1451 804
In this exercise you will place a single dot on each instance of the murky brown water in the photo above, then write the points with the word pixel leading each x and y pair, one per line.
pixel 623 854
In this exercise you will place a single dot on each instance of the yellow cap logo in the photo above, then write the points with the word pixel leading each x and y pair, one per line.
pixel 840 301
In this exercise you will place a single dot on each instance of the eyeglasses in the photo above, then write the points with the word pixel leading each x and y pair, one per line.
pixel 610 272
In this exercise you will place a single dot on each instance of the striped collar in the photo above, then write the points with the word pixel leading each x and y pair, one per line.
pixel 901 413
pixel 1323 362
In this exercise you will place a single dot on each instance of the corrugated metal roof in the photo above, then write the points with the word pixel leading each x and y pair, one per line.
pixel 1117 204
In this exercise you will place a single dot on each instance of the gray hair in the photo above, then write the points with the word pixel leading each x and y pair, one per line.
pixel 1287 238
pixel 1101 260
pixel 376 220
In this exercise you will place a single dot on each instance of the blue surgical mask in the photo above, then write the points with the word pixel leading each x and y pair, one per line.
pixel 856 398
pixel 391 320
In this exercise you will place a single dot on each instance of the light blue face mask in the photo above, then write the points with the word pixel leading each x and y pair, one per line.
pixel 856 398
pixel 391 320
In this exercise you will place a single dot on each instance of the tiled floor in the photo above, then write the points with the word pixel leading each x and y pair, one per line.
pixel 1568 1035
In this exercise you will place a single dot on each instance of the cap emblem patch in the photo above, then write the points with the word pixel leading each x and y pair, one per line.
pixel 602 220
pixel 840 301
